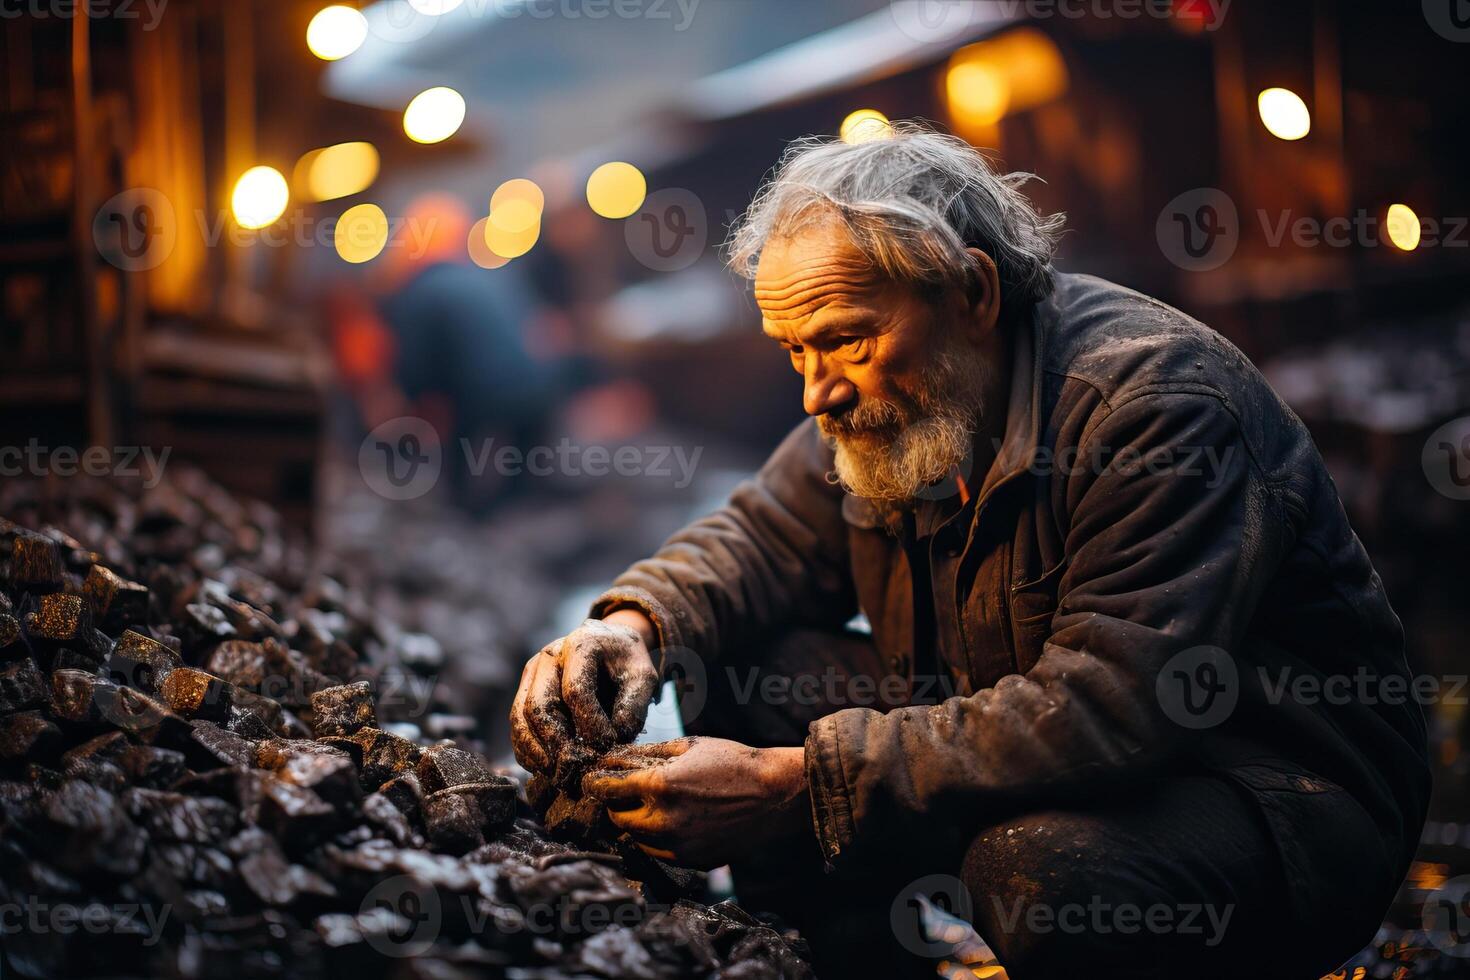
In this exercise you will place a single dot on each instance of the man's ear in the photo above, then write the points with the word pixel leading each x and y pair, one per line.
pixel 984 295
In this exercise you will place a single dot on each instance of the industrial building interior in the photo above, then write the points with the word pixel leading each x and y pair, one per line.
pixel 249 246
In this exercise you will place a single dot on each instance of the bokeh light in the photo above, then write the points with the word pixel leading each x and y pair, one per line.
pixel 862 125
pixel 335 32
pixel 336 171
pixel 479 247
pixel 979 92
pixel 513 228
pixel 1284 113
pixel 519 189
pixel 361 234
pixel 434 115
pixel 616 190
pixel 260 197
pixel 1403 226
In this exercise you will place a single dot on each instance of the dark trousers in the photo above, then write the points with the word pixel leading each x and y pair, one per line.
pixel 1159 878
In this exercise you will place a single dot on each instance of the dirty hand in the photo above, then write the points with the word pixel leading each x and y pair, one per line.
pixel 558 697
pixel 700 802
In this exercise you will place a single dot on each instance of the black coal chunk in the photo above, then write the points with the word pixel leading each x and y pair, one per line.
pixel 65 619
pixel 442 766
pixel 22 686
pixel 177 817
pixel 35 563
pixel 115 601
pixel 92 832
pixel 385 756
pixel 197 694
pixel 140 661
pixel 266 871
pixel 343 709
pixel 29 735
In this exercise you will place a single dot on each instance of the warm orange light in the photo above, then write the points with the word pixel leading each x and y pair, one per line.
pixel 336 171
pixel 361 233
pixel 616 190
pixel 479 247
pixel 519 189
pixel 260 197
pixel 990 79
pixel 1284 113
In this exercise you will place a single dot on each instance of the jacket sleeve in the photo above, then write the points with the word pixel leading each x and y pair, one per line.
pixel 774 555
pixel 1158 560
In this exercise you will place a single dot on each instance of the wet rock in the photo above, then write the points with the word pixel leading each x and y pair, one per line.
pixel 343 709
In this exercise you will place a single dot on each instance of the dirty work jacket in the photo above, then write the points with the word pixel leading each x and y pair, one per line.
pixel 1157 575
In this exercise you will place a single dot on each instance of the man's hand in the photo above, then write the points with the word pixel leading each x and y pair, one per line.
pixel 558 697
pixel 699 802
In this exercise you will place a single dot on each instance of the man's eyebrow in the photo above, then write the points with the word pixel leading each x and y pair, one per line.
pixel 851 321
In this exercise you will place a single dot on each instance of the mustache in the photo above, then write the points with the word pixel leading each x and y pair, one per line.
pixel 869 416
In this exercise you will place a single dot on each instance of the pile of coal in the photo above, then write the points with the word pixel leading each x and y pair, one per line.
pixel 201 775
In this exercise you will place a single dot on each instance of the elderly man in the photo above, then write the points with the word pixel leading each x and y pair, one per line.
pixel 1110 589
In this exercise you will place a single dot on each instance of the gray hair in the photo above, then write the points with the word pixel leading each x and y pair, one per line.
pixel 912 202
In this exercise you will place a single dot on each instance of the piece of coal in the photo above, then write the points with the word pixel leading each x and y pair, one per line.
pixel 202 626
pixel 197 694
pixel 385 756
pixel 144 717
pixel 140 661
pixel 115 601
pixel 247 724
pixel 442 766
pixel 63 619
pixel 78 698
pixel 268 711
pixel 209 746
pixel 92 833
pixel 22 686
pixel 577 818
pixel 331 775
pixel 453 821
pixel 177 817
pixel 109 747
pixel 405 793
pixel 295 814
pixel 68 659
pixel 29 735
pixel 35 563
pixel 10 639
pixel 343 709
pixel 240 662
pixel 390 821
pixel 152 767
pixel 266 871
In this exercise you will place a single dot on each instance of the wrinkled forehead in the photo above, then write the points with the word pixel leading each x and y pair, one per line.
pixel 818 265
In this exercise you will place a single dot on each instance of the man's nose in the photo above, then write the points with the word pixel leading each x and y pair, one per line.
pixel 824 389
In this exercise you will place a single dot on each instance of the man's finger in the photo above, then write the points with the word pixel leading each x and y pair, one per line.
pixel 579 676
pixel 651 752
pixel 648 825
pixel 620 786
pixel 545 713
pixel 630 705
pixel 528 750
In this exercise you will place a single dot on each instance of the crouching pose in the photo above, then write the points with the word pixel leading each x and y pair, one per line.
pixel 1110 597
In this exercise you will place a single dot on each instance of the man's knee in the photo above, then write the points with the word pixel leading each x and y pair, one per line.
pixel 1062 892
